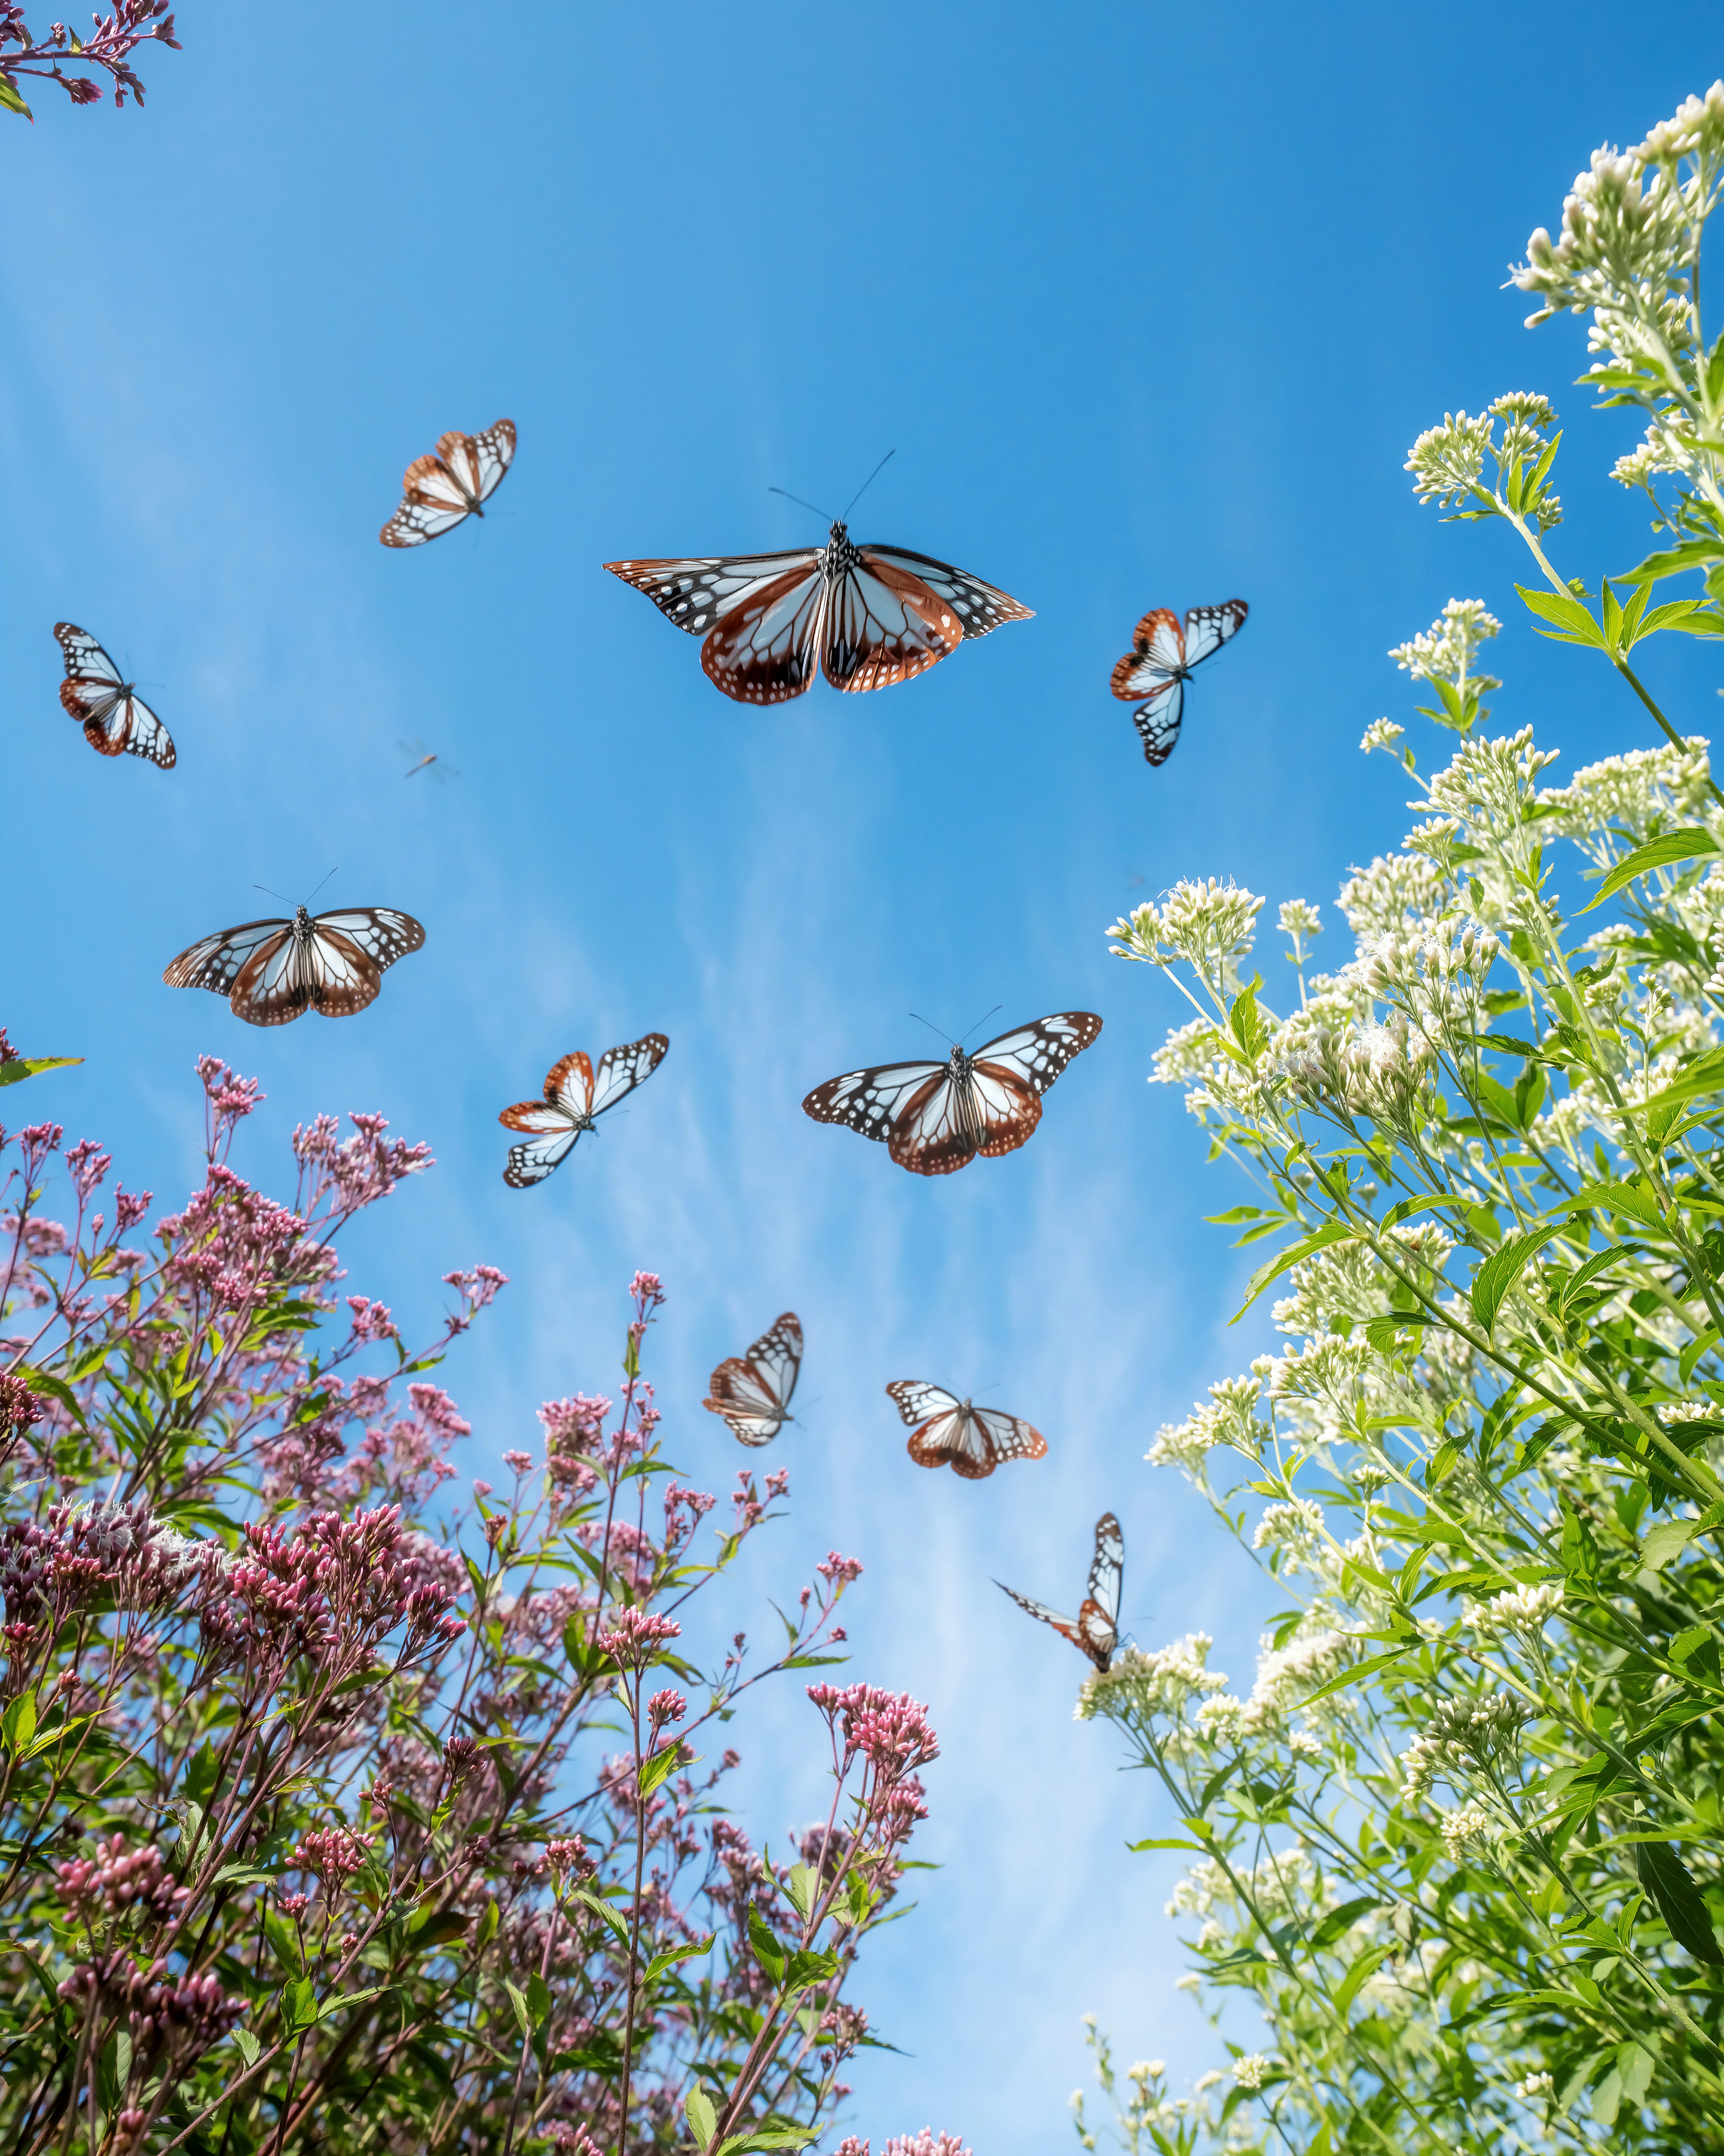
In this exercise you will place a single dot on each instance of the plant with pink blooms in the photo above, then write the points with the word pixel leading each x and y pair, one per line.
pixel 109 45
pixel 335 1813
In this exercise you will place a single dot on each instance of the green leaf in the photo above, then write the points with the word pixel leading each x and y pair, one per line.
pixel 662 1765
pixel 801 1884
pixel 671 1955
pixel 1635 2064
pixel 702 2118
pixel 27 1066
pixel 1703 1074
pixel 1575 625
pixel 299 2005
pixel 1688 844
pixel 517 2000
pixel 538 1999
pixel 17 1725
pixel 247 2046
pixel 202 1771
pixel 1354 1672
pixel 1135 1848
pixel 488 1924
pixel 1670 1883
pixel 1350 1983
pixel 1334 1231
pixel 1503 1268
pixel 14 103
pixel 1668 1540
pixel 767 1951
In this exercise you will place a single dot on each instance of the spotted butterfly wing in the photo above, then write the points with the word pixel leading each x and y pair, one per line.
pixel 443 490
pixel 1159 665
pixel 934 1118
pixel 572 1097
pixel 621 1070
pixel 753 1392
pixel 1096 1628
pixel 115 721
pixel 948 1432
pixel 272 972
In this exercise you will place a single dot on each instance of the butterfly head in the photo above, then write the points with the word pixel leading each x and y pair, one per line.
pixel 302 922
pixel 958 1063
pixel 840 552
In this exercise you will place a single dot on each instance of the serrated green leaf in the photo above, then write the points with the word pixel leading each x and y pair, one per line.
pixel 1503 1268
pixel 1334 1231
pixel 702 2118
pixel 17 1725
pixel 1687 844
pixel 1668 1540
pixel 1575 625
pixel 517 2000
pixel 1680 1903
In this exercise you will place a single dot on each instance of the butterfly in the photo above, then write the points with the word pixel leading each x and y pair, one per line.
pixel 573 1099
pixel 1159 663
pixel 753 1392
pixel 272 971
pixel 867 616
pixel 115 721
pixel 948 1432
pixel 935 1118
pixel 1096 1628
pixel 441 490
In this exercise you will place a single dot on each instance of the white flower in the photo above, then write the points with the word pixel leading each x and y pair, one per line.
pixel 1491 779
pixel 1222 1719
pixel 1470 1822
pixel 1381 733
pixel 1521 1608
pixel 1295 1526
pixel 1230 1418
pixel 1646 790
pixel 1187 1053
pixel 1191 1981
pixel 1534 2087
pixel 1395 894
pixel 1446 650
pixel 1462 1732
pixel 1445 461
pixel 1206 923
pixel 1158 1683
pixel 1300 920
pixel 1250 2070
pixel 1304 1746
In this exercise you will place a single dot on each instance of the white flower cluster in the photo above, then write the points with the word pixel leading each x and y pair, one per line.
pixel 1231 1418
pixel 1377 1071
pixel 1297 1526
pixel 1286 1675
pixel 1446 650
pixel 1158 1683
pixel 1446 462
pixel 1534 2087
pixel 1645 791
pixel 1394 895
pixel 1521 1610
pixel 1462 1734
pixel 1206 923
pixel 1250 2070
pixel 1381 733
pixel 1468 1822
pixel 1187 1052
pixel 1491 780
pixel 1436 980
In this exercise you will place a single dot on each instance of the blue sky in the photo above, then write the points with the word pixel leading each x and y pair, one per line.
pixel 1150 303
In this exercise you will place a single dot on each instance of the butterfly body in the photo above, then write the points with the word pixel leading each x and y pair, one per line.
pixel 1095 1631
pixel 572 1099
pixel 934 1118
pixel 443 490
pixel 865 617
pixel 948 1432
pixel 1159 665
pixel 273 971
pixel 753 1392
pixel 115 720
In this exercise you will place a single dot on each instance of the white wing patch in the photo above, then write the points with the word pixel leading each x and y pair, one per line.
pixel 979 607
pixel 693 590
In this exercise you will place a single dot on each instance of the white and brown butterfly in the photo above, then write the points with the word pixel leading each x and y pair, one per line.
pixel 115 720
pixel 272 971
pixel 865 616
pixel 1096 1628
pixel 753 1392
pixel 453 484
pixel 935 1118
pixel 573 1098
pixel 1159 663
pixel 947 1432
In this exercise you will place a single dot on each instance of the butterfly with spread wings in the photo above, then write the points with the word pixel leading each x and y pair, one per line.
pixel 865 616
pixel 1159 663
pixel 272 970
pixel 753 1392
pixel 947 1432
pixel 453 484
pixel 935 1118
pixel 573 1098
pixel 1096 1628
pixel 115 720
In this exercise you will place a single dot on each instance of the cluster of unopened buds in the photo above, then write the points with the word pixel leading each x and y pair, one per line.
pixel 118 1878
pixel 188 2012
pixel 1375 1072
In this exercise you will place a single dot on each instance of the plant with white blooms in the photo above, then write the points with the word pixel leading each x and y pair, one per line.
pixel 1461 1837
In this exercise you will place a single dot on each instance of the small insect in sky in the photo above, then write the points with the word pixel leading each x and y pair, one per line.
pixel 271 971
pixel 453 484
pixel 865 616
pixel 573 1099
pixel 115 720
pixel 935 1118
pixel 753 1392
pixel 1159 663
pixel 425 760
pixel 1096 1628
pixel 948 1432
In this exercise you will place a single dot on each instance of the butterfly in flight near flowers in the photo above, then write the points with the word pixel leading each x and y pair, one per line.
pixel 572 1098
pixel 935 1118
pixel 753 1392
pixel 1096 1628
pixel 272 971
pixel 1159 663
pixel 947 1432
pixel 445 489
pixel 115 720
pixel 866 616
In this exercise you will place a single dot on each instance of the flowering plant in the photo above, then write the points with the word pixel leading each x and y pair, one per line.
pixel 109 46
pixel 330 1820
pixel 1459 1838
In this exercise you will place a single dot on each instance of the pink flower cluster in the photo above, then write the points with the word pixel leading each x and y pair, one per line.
pixel 187 2014
pixel 116 1879
pixel 109 45
pixel 634 1636
pixel 232 1244
pixel 890 1730
pixel 350 1173
pixel 927 2143
pixel 334 1853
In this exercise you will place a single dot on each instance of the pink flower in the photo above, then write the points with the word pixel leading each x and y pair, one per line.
pixel 838 1571
pixel 519 1463
pixel 633 1635
pixel 481 1489
pixel 667 1706
pixel 19 1407
pixel 335 1854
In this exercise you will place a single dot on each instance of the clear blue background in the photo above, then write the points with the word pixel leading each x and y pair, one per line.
pixel 1150 302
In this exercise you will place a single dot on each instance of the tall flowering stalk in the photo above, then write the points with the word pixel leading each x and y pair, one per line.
pixel 314 1829
pixel 1459 1835
pixel 108 45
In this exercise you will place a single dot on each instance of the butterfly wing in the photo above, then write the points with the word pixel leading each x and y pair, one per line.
pixel 1098 1618
pixel 478 462
pixel 568 1086
pixel 534 1157
pixel 777 1357
pixel 379 933
pixel 883 625
pixel 753 1391
pixel 1066 1627
pixel 115 721
pixel 439 491
pixel 1156 655
pixel 1011 1072
pixel 1007 1437
pixel 916 1401
pixel 621 1070
pixel 978 607
pixel 764 650
pixel 696 591
pixel 217 962
pixel 877 1102
pixel 1208 627
pixel 1157 722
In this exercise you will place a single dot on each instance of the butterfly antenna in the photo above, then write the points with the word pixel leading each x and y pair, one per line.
pixel 319 887
pixel 801 504
pixel 983 1020
pixel 932 1027
pixel 267 893
pixel 868 483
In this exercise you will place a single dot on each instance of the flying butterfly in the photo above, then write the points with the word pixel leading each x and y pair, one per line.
pixel 115 720
pixel 753 1392
pixel 1159 663
pixel 573 1098
pixel 865 616
pixel 1096 1628
pixel 453 484
pixel 935 1118
pixel 272 970
pixel 947 1432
